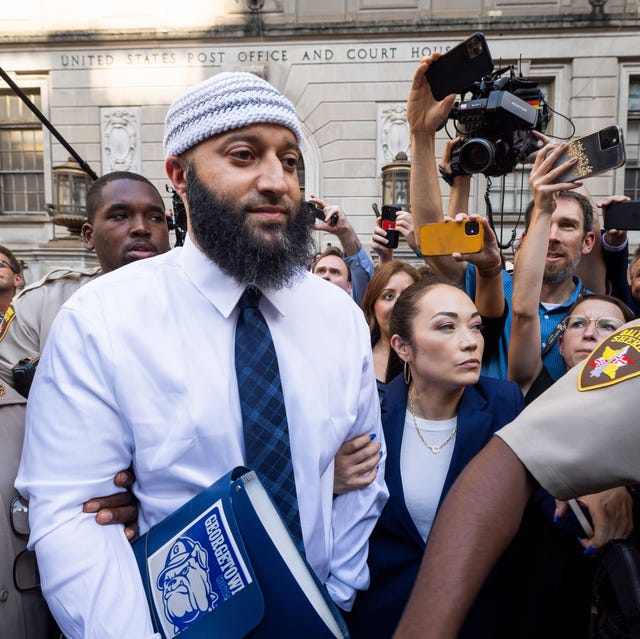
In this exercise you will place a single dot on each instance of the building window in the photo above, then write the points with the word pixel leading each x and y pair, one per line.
pixel 632 142
pixel 21 155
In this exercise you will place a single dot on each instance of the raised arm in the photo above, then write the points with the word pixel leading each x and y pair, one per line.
pixel 615 251
pixel 525 360
pixel 354 255
pixel 424 115
pixel 460 184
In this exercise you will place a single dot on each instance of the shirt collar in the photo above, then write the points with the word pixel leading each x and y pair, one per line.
pixel 220 289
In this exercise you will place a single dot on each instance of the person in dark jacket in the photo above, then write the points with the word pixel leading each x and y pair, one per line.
pixel 436 416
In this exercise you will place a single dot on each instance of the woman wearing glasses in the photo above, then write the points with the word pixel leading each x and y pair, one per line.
pixel 590 319
pixel 559 575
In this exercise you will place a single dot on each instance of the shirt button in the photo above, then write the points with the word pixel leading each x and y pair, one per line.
pixel 546 317
pixel 4 594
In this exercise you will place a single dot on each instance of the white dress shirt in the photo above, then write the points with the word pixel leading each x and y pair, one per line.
pixel 139 367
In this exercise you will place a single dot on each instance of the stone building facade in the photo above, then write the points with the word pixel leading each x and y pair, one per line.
pixel 104 76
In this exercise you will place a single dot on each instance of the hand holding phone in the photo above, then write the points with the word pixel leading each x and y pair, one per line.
pixel 446 238
pixel 316 213
pixel 388 223
pixel 595 153
pixel 622 216
pixel 580 516
pixel 460 67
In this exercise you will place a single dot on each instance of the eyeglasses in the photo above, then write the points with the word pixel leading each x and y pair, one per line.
pixel 4 264
pixel 25 569
pixel 603 325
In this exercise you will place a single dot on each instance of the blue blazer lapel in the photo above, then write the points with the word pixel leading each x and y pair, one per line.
pixel 394 407
pixel 475 427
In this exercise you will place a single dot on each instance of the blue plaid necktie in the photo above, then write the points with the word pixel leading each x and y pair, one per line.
pixel 266 435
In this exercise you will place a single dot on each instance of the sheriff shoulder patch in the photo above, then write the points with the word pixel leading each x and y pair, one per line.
pixel 9 316
pixel 614 360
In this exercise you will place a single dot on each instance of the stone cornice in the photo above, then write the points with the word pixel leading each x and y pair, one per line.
pixel 356 28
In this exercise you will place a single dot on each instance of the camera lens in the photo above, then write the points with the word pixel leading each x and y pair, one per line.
pixel 477 155
pixel 474 47
pixel 472 227
pixel 608 137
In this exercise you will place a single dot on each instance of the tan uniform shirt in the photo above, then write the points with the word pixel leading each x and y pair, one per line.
pixel 22 615
pixel 35 309
pixel 582 436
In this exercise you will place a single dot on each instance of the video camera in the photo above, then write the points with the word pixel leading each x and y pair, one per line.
pixel 497 122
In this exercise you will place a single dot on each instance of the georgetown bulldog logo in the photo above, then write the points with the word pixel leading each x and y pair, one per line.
pixel 186 590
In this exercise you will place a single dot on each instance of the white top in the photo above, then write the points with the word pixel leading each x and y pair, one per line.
pixel 139 367
pixel 423 472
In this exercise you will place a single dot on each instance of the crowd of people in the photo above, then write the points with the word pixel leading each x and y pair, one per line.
pixel 390 381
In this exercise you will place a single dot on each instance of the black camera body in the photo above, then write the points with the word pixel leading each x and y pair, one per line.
pixel 496 124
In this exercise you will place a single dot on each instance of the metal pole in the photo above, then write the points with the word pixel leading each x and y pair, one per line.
pixel 25 98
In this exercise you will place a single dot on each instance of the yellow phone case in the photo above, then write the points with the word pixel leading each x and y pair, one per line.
pixel 445 238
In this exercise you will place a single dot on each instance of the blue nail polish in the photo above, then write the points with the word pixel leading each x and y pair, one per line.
pixel 590 550
pixel 555 518
pixel 381 453
pixel 372 436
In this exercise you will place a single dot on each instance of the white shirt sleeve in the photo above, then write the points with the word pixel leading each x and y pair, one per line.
pixel 89 575
pixel 355 513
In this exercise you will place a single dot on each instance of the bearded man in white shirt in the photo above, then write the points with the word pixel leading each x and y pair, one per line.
pixel 139 368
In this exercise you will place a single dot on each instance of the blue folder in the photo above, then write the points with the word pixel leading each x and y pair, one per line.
pixel 224 565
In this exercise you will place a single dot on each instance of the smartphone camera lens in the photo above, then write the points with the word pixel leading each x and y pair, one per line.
pixel 472 227
pixel 608 138
pixel 474 47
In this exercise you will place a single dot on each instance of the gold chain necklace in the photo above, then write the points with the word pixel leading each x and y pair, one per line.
pixel 438 447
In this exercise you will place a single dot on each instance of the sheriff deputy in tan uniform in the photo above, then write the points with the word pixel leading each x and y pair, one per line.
pixel 581 436
pixel 34 309
pixel 126 222
pixel 23 615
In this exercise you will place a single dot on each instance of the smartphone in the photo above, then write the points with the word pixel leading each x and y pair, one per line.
pixel 581 517
pixel 388 222
pixel 623 216
pixel 316 213
pixel 445 238
pixel 596 153
pixel 460 67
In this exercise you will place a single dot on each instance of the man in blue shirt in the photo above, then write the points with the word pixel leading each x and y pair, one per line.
pixel 353 253
pixel 570 237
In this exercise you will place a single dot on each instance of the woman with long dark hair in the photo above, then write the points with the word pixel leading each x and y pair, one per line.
pixel 388 281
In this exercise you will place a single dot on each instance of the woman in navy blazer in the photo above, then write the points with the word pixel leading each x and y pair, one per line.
pixel 436 333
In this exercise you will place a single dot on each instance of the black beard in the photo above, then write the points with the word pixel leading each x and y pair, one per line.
pixel 219 227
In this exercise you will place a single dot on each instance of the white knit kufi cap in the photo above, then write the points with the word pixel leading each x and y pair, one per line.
pixel 224 102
